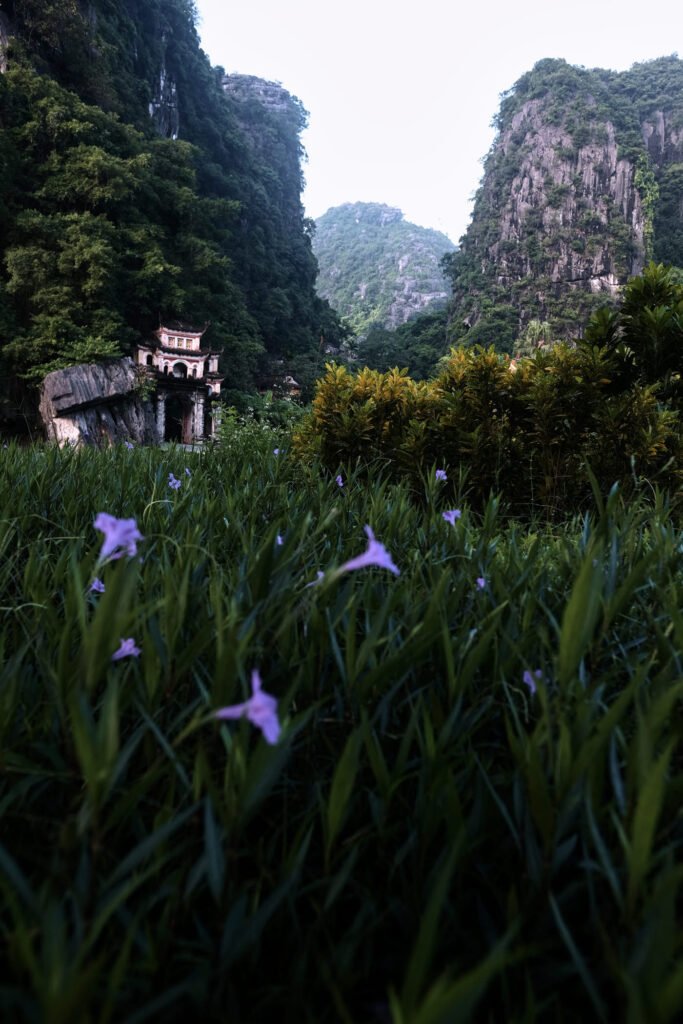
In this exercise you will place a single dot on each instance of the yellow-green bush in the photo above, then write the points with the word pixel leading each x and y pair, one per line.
pixel 364 415
pixel 526 429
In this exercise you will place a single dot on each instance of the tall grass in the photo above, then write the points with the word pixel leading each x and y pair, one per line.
pixel 429 841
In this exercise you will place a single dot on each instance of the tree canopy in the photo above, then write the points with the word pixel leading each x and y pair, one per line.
pixel 134 186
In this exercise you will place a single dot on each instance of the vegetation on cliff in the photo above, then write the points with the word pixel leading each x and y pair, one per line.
pixel 135 183
pixel 376 268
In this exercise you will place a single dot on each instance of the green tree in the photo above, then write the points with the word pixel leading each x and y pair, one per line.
pixel 645 335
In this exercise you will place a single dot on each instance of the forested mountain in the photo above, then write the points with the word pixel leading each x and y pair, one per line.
pixel 582 186
pixel 139 182
pixel 377 269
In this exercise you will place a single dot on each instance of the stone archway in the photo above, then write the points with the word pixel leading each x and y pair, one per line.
pixel 179 419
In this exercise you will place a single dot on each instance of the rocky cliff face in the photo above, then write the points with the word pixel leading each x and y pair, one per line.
pixel 563 193
pixel 163 107
pixel 270 117
pixel 4 42
pixel 376 268
pixel 96 404
pixel 568 206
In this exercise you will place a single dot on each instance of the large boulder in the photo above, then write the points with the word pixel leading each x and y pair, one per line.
pixel 97 404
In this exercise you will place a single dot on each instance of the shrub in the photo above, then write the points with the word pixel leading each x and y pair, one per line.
pixel 533 430
pixel 362 415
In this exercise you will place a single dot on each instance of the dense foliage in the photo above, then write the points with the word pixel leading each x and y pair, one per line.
pixel 106 225
pixel 538 432
pixel 644 336
pixel 540 429
pixel 581 188
pixel 471 814
pixel 417 345
pixel 377 269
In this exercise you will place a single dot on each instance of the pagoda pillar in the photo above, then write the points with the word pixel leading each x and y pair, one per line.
pixel 161 415
pixel 214 418
pixel 198 424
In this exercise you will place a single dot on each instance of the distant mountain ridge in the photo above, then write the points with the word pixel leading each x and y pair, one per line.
pixel 376 268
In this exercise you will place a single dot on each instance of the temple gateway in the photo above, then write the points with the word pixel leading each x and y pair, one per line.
pixel 187 382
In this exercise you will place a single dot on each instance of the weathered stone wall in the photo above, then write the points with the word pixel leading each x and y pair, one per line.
pixel 96 404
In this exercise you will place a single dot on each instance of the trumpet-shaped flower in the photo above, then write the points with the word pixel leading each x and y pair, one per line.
pixel 451 515
pixel 374 554
pixel 481 582
pixel 441 474
pixel 97 586
pixel 173 482
pixel 120 536
pixel 339 480
pixel 128 445
pixel 260 709
pixel 187 471
pixel 529 679
pixel 127 649
pixel 276 451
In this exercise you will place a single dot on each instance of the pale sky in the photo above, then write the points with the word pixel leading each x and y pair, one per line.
pixel 401 94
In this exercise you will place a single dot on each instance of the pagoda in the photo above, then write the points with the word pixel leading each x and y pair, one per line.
pixel 187 381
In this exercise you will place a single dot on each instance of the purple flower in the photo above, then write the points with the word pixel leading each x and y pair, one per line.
pixel 276 451
pixel 375 554
pixel 441 474
pixel 126 649
pixel 187 471
pixel 481 582
pixel 128 445
pixel 339 480
pixel 529 678
pixel 279 540
pixel 97 586
pixel 260 709
pixel 173 483
pixel 318 576
pixel 120 536
pixel 451 515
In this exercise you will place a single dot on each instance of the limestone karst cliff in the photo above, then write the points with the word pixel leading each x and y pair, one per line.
pixel 581 187
pixel 376 268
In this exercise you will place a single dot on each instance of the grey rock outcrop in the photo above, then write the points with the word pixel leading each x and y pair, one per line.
pixel 579 192
pixel 163 108
pixel 96 404
pixel 4 42
pixel 270 95
pixel 567 187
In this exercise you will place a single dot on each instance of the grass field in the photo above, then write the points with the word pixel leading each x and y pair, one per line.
pixel 471 812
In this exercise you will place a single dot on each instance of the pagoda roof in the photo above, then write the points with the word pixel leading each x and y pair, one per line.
pixel 178 327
